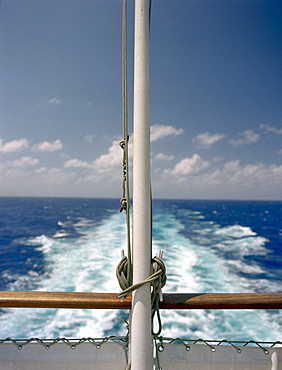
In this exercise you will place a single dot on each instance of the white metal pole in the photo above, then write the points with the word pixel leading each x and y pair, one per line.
pixel 140 337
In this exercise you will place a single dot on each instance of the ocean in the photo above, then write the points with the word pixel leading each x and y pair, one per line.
pixel 74 245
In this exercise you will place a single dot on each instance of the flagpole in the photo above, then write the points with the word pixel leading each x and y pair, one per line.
pixel 141 338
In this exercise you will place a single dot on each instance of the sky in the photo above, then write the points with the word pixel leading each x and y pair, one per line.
pixel 215 89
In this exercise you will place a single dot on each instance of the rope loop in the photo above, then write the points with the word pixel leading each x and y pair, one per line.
pixel 157 279
pixel 158 267
pixel 123 275
pixel 123 203
pixel 122 144
pixel 159 270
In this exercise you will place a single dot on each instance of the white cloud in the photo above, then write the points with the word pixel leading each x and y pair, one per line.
pixel 193 177
pixel 40 170
pixel 268 128
pixel 160 131
pixel 106 162
pixel 55 176
pixel 23 162
pixel 164 157
pixel 206 140
pixel 188 166
pixel 247 137
pixel 88 138
pixel 47 146
pixel 13 146
pixel 76 163
pixel 106 168
pixel 248 175
pixel 54 100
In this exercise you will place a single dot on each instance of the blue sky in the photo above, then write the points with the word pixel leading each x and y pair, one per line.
pixel 216 88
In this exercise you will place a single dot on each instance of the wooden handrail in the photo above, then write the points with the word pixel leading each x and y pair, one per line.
pixel 63 300
pixel 111 301
pixel 222 301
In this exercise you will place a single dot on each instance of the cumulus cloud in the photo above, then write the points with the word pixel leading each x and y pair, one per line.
pixel 54 100
pixel 107 168
pixel 13 146
pixel 160 131
pixel 23 162
pixel 268 128
pixel 106 162
pixel 47 146
pixel 188 166
pixel 164 157
pixel 249 174
pixel 246 137
pixel 56 176
pixel 40 170
pixel 206 140
pixel 232 179
pixel 111 161
pixel 76 163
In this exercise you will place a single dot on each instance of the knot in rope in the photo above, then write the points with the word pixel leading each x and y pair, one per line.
pixel 159 270
pixel 123 274
pixel 125 190
pixel 123 203
pixel 157 279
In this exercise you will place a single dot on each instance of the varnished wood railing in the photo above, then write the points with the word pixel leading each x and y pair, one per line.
pixel 170 301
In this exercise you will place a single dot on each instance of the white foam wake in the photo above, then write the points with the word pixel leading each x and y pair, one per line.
pixel 199 268
pixel 211 261
pixel 84 264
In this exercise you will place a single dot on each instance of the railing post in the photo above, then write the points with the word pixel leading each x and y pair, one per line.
pixel 141 348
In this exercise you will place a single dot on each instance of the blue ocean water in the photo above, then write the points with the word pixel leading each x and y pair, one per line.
pixel 61 244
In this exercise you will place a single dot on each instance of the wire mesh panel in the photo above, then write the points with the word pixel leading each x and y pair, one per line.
pixel 111 353
pixel 62 356
pixel 203 357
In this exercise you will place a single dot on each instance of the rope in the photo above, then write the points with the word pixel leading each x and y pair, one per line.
pixel 125 200
pixel 156 295
pixel 124 273
pixel 157 279
pixel 123 277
